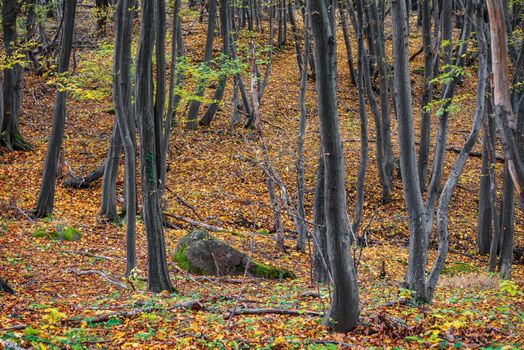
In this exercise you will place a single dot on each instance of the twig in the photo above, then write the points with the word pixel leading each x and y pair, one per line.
pixel 184 203
pixel 15 206
pixel 96 272
pixel 242 286
pixel 202 224
pixel 275 311
pixel 93 255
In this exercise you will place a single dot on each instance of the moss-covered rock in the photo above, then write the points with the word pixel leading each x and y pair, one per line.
pixel 200 253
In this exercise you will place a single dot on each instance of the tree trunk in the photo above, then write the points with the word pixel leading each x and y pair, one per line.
pixel 12 83
pixel 122 102
pixel 158 277
pixel 415 277
pixel 344 311
pixel 195 105
pixel 46 197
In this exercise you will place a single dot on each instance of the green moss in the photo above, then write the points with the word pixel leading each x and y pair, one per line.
pixel 265 271
pixel 181 259
pixel 183 262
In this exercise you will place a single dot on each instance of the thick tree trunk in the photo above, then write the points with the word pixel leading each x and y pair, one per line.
pixel 158 277
pixel 12 83
pixel 506 123
pixel 344 311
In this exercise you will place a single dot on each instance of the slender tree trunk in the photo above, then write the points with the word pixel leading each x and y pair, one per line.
pixel 208 117
pixel 303 67
pixel 321 265
pixel 458 166
pixel 195 105
pixel 484 226
pixel 46 197
pixel 108 205
pixel 122 101
pixel 364 148
pixel 507 231
pixel 415 277
pixel 425 137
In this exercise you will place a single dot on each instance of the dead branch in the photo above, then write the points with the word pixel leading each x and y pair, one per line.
pixel 202 224
pixel 93 255
pixel 260 311
pixel 97 272
pixel 13 328
pixel 187 305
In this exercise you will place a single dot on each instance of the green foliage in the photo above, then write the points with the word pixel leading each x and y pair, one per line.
pixel 58 232
pixel 449 73
pixel 204 74
pixel 510 288
pixel 93 78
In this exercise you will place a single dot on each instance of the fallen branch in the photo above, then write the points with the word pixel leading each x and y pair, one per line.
pixel 13 328
pixel 100 273
pixel 187 305
pixel 186 204
pixel 73 181
pixel 202 224
pixel 275 311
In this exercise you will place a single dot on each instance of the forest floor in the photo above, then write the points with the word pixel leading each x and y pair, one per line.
pixel 55 307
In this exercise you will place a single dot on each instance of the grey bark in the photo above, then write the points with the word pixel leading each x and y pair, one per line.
pixel 484 221
pixel 363 160
pixel 320 257
pixel 507 231
pixel 46 197
pixel 415 277
pixel 108 205
pixel 425 138
pixel 122 102
pixel 158 277
pixel 344 311
pixel 12 83
pixel 303 67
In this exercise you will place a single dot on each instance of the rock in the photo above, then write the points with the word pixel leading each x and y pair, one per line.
pixel 200 253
